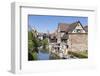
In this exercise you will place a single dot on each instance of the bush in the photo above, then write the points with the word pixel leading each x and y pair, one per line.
pixel 32 56
pixel 54 56
pixel 78 54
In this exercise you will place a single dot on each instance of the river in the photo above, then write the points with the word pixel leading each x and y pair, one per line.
pixel 42 55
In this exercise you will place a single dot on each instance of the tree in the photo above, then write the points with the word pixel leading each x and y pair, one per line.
pixel 33 44
pixel 45 44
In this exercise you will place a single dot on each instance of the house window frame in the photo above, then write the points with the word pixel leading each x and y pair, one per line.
pixel 78 30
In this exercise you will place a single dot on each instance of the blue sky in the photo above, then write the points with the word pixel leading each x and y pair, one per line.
pixel 50 23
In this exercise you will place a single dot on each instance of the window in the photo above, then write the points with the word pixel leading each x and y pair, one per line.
pixel 78 30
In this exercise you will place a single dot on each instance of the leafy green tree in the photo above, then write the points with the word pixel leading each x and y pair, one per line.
pixel 33 44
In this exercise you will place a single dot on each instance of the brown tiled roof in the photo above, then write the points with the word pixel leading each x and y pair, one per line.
pixel 86 28
pixel 72 26
pixel 67 27
pixel 63 26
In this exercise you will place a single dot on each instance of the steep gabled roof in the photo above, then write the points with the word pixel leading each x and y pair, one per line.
pixel 63 26
pixel 68 27
pixel 86 28
pixel 72 26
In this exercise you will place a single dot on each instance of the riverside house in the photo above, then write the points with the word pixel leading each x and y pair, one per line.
pixel 73 37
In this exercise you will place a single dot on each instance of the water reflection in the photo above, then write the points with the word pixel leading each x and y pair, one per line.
pixel 43 55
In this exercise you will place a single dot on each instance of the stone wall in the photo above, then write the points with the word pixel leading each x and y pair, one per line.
pixel 78 42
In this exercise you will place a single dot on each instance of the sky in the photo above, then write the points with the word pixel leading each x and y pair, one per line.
pixel 44 23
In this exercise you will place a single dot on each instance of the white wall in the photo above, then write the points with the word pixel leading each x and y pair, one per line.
pixel 5 33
